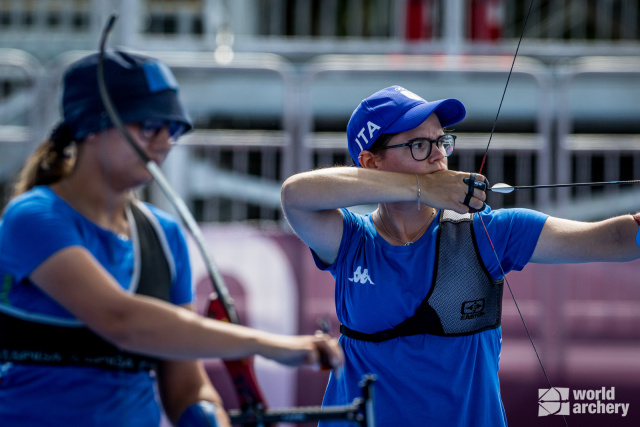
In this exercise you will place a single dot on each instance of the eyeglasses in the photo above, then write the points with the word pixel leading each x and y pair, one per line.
pixel 151 128
pixel 421 147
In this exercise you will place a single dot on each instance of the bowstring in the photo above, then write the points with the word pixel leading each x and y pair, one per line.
pixel 484 158
pixel 493 128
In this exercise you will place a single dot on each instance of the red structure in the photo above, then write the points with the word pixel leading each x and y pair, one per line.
pixel 418 19
pixel 486 19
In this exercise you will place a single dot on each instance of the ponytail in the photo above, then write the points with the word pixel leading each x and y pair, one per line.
pixel 52 160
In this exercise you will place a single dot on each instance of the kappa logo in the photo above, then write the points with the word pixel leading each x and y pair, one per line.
pixel 361 276
pixel 472 309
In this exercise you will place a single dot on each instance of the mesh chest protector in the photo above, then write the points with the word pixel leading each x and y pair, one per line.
pixel 26 342
pixel 463 299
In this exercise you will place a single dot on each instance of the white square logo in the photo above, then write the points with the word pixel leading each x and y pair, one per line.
pixel 553 401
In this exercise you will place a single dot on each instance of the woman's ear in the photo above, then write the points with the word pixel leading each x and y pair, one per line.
pixel 368 160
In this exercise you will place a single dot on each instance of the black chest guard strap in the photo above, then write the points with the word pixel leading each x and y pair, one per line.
pixel 27 342
pixel 463 299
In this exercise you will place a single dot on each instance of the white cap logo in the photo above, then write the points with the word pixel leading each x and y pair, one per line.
pixel 372 127
pixel 411 95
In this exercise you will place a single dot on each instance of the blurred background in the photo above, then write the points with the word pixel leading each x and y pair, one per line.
pixel 271 85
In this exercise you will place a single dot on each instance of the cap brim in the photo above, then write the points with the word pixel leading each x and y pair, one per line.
pixel 159 106
pixel 449 112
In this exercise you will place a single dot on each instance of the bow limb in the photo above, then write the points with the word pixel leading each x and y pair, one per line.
pixel 482 221
pixel 221 306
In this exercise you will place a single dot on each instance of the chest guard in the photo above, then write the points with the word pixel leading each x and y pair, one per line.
pixel 463 299
pixel 26 342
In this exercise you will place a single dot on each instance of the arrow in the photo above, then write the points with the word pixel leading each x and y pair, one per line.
pixel 506 188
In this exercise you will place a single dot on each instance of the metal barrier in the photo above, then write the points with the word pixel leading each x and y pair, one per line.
pixel 259 120
pixel 283 27
pixel 598 93
pixel 46 28
pixel 333 85
pixel 20 112
pixel 299 28
pixel 573 19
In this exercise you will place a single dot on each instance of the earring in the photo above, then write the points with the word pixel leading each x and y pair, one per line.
pixel 69 151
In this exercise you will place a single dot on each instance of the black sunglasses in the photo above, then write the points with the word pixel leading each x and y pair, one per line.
pixel 151 128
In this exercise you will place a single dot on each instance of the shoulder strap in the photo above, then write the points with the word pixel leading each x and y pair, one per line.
pixel 155 273
pixel 26 342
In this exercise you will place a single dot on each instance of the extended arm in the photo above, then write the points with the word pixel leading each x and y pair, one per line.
pixel 566 241
pixel 311 199
pixel 146 325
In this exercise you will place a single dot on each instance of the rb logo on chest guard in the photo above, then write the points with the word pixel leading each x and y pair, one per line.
pixel 472 309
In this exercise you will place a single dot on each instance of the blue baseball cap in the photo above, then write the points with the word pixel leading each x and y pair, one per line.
pixel 393 110
pixel 142 88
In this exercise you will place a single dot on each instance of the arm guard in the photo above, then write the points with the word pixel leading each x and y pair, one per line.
pixel 200 414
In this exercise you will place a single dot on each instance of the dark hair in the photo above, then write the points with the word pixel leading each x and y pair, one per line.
pixel 52 160
pixel 382 141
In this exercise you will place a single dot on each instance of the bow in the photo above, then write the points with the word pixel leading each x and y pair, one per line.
pixel 221 306
pixel 507 189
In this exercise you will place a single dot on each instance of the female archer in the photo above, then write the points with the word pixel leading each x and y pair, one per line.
pixel 418 284
pixel 96 301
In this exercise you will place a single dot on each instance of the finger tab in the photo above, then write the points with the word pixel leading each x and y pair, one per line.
pixel 473 210
pixel 473 184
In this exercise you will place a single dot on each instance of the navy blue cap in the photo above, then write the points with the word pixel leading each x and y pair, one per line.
pixel 393 110
pixel 142 88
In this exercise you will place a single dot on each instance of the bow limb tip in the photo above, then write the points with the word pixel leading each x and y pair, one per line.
pixel 502 188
